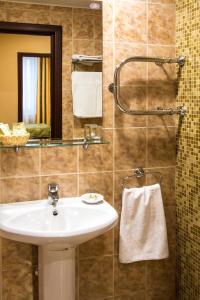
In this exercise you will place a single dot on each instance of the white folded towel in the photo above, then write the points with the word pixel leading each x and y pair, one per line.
pixel 87 94
pixel 143 232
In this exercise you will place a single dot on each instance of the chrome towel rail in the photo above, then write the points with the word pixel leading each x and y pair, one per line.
pixel 115 87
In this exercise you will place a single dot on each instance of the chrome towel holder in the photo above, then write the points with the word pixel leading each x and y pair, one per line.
pixel 115 87
pixel 141 173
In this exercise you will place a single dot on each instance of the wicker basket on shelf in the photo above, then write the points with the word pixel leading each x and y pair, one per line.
pixel 14 140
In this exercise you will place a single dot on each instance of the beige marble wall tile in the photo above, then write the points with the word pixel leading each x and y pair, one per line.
pixel 66 49
pixel 66 75
pixel 108 30
pixel 116 237
pixel 59 160
pixel 130 148
pixel 83 26
pixel 3 13
pixel 130 21
pixel 67 115
pixel 96 278
pixel 107 63
pixel 163 95
pixel 161 147
pixel 20 189
pixel 13 287
pixel 165 74
pixel 63 18
pixel 67 185
pixel 82 46
pixel 161 24
pixel 28 14
pixel 98 34
pixel 108 104
pixel 61 10
pixel 83 12
pixel 129 278
pixel 137 295
pixel 133 73
pixel 101 183
pixel 23 163
pixel 169 294
pixel 15 254
pixel 98 50
pixel 133 98
pixel 97 158
pixel 162 1
pixel 161 275
pixel 102 245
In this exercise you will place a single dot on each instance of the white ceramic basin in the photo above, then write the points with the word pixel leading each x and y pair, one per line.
pixel 33 222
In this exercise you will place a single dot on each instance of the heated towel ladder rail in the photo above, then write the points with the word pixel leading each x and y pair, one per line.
pixel 115 86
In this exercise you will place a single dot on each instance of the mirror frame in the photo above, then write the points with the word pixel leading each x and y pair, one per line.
pixel 55 33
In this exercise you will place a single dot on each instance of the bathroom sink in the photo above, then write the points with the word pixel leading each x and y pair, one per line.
pixel 33 222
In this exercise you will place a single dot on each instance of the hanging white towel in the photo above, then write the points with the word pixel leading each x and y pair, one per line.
pixel 143 232
pixel 87 94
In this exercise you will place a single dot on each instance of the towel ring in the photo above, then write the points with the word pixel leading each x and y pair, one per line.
pixel 141 173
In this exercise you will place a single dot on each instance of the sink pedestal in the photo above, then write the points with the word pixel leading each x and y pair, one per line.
pixel 56 272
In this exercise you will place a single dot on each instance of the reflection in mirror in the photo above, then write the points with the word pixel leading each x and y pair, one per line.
pixel 34 101
pixel 31 78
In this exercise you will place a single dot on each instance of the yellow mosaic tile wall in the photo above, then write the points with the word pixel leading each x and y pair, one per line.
pixel 188 167
pixel 129 28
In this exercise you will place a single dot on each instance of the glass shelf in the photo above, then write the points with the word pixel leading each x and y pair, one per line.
pixel 57 143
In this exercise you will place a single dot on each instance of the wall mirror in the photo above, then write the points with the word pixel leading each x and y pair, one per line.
pixel 31 77
pixel 39 61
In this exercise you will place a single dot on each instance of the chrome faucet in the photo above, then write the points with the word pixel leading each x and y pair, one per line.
pixel 53 196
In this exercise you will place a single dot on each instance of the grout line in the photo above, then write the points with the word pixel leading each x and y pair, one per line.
pixel 147 122
pixel 84 173
pixel 142 127
pixel 40 171
pixel 113 150
pixel 123 42
pixel 77 287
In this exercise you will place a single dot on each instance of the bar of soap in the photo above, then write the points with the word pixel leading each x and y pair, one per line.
pixel 92 198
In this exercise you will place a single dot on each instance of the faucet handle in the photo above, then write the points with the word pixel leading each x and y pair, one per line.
pixel 53 187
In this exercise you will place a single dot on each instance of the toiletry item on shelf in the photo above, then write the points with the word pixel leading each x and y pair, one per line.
pixel 39 130
pixel 87 94
pixel 92 198
pixel 16 137
pixel 143 232
pixel 4 129
pixel 19 129
pixel 92 132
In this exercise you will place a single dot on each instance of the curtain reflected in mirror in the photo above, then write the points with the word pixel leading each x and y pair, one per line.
pixel 35 99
